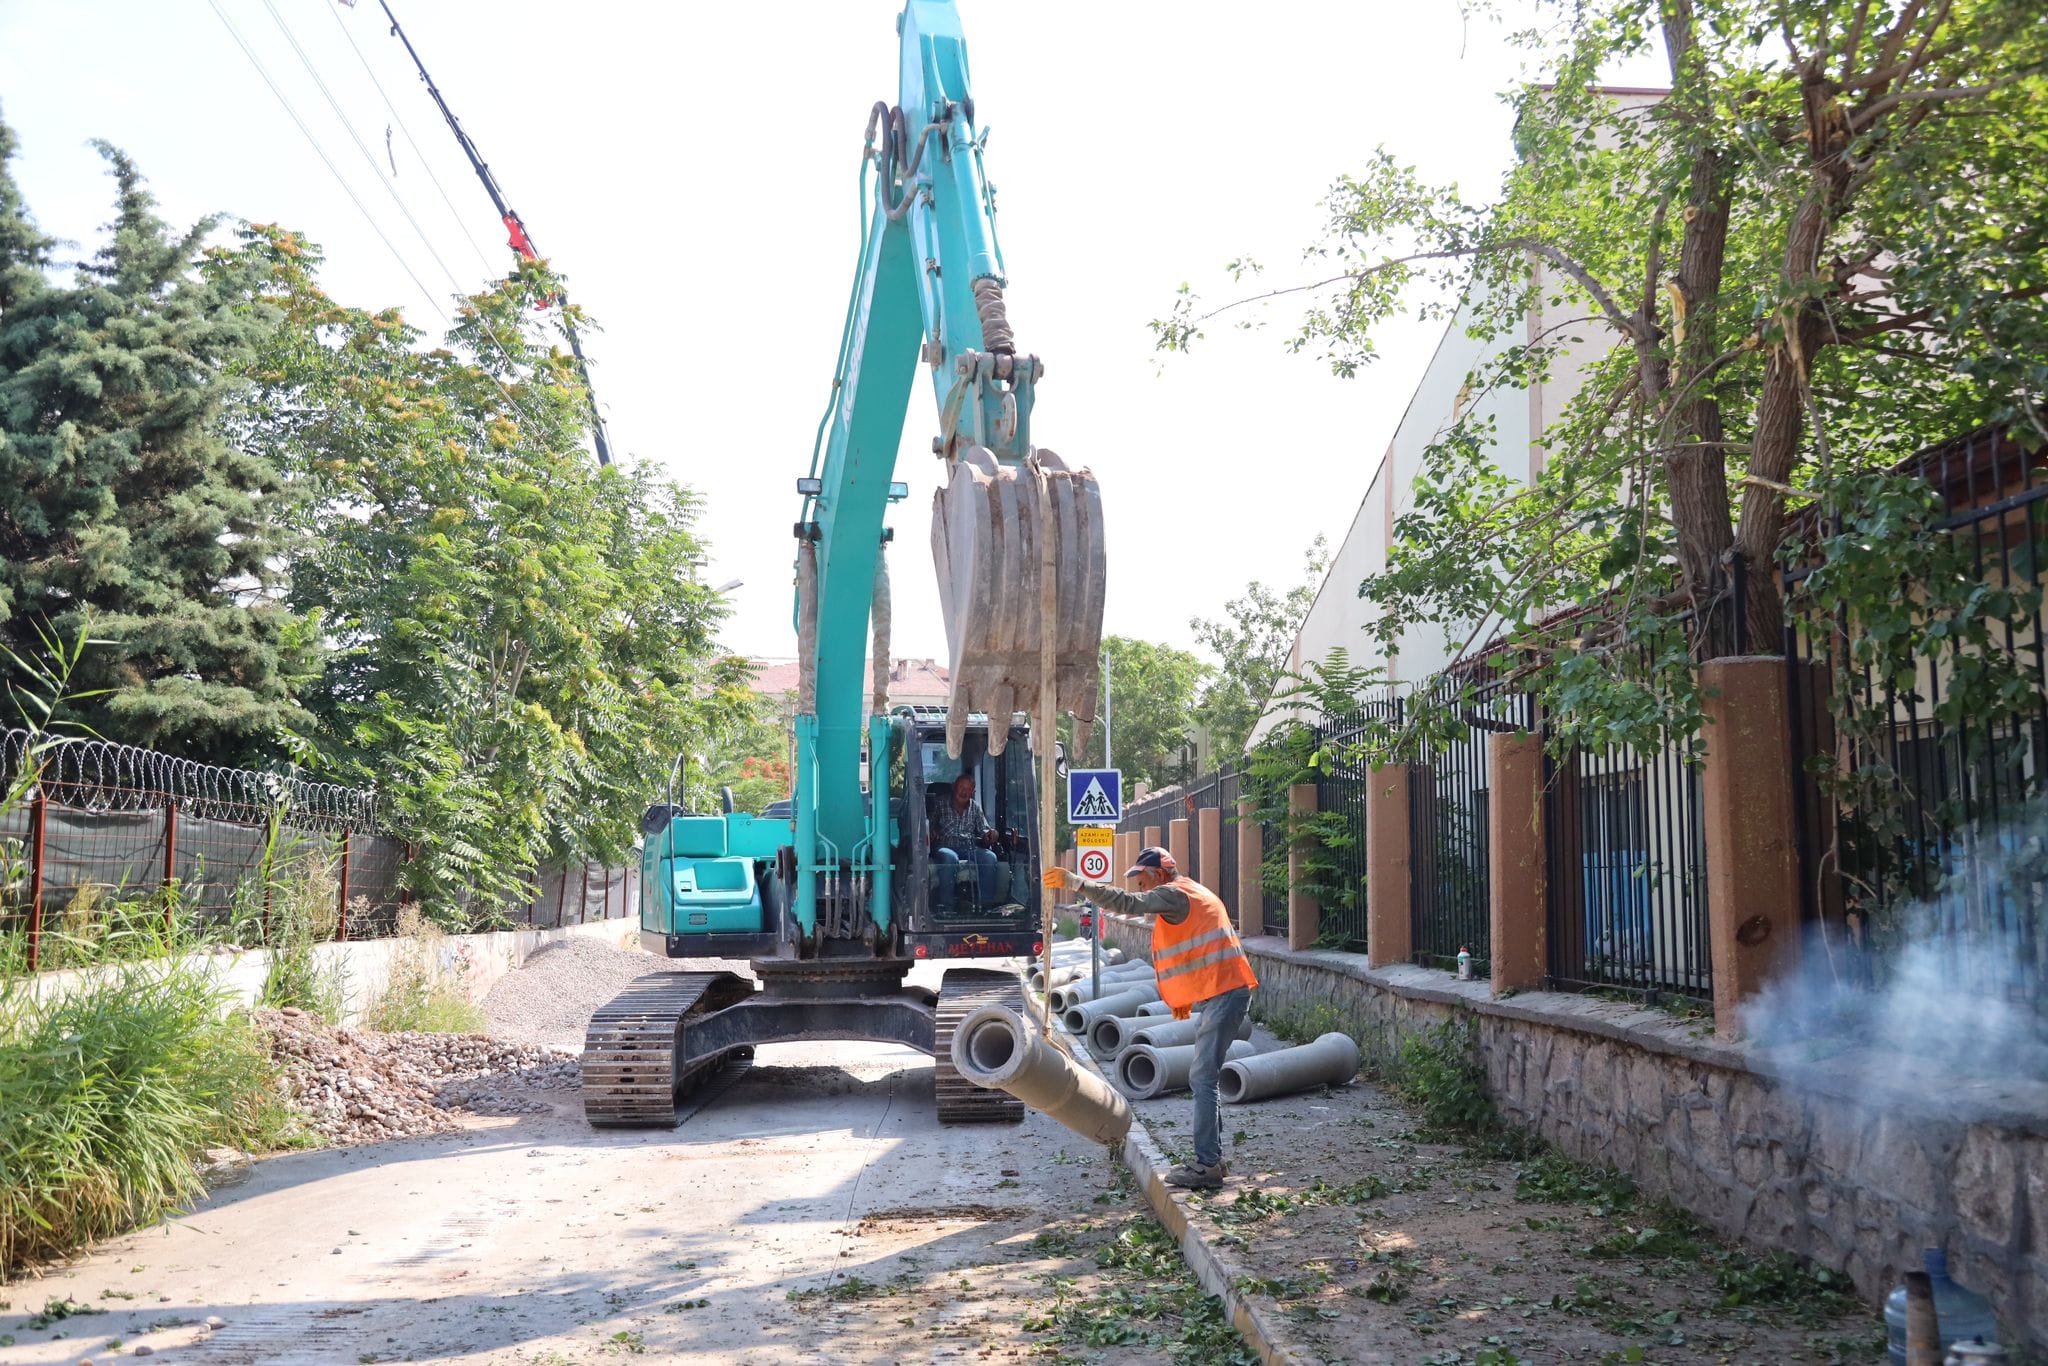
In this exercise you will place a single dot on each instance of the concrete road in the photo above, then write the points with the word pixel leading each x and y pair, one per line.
pixel 815 1210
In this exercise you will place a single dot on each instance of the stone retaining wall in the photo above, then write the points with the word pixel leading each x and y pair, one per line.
pixel 1855 1162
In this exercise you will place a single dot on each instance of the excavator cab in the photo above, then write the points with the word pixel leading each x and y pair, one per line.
pixel 965 879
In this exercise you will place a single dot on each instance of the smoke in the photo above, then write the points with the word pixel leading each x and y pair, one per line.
pixel 1958 982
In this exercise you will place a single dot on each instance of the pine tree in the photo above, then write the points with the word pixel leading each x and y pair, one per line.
pixel 125 507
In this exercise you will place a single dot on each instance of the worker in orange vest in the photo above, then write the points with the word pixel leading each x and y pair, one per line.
pixel 1199 963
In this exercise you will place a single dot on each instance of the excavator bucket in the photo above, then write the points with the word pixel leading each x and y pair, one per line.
pixel 989 529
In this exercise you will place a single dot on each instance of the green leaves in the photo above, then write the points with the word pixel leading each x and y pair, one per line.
pixel 519 646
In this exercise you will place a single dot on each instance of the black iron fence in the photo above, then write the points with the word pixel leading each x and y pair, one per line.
pixel 1921 821
pixel 1625 852
pixel 1449 799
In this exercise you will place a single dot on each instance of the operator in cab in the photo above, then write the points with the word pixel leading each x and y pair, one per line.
pixel 961 832
pixel 1200 966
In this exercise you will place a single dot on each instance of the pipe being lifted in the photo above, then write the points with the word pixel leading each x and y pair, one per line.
pixel 1146 1072
pixel 1111 1034
pixel 1173 1033
pixel 1331 1060
pixel 995 1048
pixel 1077 1019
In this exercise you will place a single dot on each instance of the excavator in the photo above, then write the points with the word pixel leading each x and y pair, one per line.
pixel 832 908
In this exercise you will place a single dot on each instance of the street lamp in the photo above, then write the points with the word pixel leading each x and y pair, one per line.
pixel 729 585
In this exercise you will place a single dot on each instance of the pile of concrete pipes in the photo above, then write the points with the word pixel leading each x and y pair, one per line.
pixel 1069 965
pixel 1136 975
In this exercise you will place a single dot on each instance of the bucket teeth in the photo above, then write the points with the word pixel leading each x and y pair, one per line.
pixel 987 526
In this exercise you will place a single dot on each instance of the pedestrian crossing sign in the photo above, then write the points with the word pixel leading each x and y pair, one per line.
pixel 1095 796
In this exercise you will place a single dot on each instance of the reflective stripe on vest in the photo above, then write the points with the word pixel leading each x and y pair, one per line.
pixel 1199 958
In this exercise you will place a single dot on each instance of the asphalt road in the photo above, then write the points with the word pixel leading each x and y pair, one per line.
pixel 812 1210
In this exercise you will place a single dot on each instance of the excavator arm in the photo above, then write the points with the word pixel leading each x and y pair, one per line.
pixel 1017 535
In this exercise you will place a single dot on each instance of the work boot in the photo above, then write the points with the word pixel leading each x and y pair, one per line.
pixel 1197 1176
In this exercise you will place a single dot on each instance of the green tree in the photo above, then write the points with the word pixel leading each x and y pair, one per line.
pixel 1822 250
pixel 521 648
pixel 1152 690
pixel 1252 642
pixel 748 750
pixel 123 500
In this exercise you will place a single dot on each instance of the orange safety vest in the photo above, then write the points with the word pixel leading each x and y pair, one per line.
pixel 1200 957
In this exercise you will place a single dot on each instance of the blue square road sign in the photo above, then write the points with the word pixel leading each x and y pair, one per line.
pixel 1095 796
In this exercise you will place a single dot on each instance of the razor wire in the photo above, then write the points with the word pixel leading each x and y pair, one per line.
pixel 103 776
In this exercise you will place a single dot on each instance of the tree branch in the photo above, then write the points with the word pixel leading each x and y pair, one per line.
pixel 1622 321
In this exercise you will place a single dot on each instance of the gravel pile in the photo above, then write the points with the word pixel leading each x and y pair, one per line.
pixel 550 999
pixel 359 1086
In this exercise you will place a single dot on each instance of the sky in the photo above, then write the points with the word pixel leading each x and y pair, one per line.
pixel 692 170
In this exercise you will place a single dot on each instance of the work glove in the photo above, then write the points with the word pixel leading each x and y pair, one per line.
pixel 1054 879
pixel 1182 1012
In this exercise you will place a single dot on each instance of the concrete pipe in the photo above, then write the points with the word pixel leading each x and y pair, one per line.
pixel 1078 1019
pixel 1080 993
pixel 1065 971
pixel 995 1048
pixel 1145 1071
pixel 1173 1033
pixel 1331 1060
pixel 1111 1034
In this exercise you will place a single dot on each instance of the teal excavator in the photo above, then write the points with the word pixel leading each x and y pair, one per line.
pixel 833 907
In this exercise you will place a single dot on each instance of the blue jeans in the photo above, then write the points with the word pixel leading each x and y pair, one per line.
pixel 946 860
pixel 1220 1016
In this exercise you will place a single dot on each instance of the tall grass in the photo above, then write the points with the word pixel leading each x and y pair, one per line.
pixel 110 1094
pixel 419 995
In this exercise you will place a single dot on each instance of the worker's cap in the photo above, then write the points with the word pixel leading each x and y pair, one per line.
pixel 1155 857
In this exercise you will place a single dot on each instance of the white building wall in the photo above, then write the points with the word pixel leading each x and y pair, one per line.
pixel 1339 616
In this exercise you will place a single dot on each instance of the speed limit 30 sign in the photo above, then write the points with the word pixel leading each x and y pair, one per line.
pixel 1094 842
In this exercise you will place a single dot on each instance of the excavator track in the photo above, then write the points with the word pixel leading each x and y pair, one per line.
pixel 960 1101
pixel 630 1077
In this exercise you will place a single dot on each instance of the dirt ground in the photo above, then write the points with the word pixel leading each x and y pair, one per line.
pixel 812 1209
pixel 1376 1246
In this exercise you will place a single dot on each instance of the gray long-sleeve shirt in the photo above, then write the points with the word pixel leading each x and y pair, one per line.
pixel 1168 902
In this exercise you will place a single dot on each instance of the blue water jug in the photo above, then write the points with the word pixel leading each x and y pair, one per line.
pixel 1963 1314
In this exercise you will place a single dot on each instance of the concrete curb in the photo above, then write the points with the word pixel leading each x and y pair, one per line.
pixel 1200 1241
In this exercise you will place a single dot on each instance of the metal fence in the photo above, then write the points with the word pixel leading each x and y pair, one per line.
pixel 1341 787
pixel 1449 800
pixel 1625 845
pixel 105 833
pixel 1921 819
pixel 109 835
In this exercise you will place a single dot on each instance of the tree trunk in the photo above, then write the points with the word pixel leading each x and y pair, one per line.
pixel 1781 407
pixel 1696 453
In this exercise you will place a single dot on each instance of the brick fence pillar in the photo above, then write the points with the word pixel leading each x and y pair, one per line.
pixel 1746 788
pixel 1251 859
pixel 1152 838
pixel 1209 849
pixel 1389 919
pixel 1177 844
pixel 1304 913
pixel 1519 911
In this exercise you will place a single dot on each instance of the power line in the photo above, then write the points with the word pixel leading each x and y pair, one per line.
pixel 340 179
pixel 369 156
pixel 521 241
pixel 319 149
pixel 461 224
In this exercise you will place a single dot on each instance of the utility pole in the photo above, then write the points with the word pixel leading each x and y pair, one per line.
pixel 519 239
pixel 1108 690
